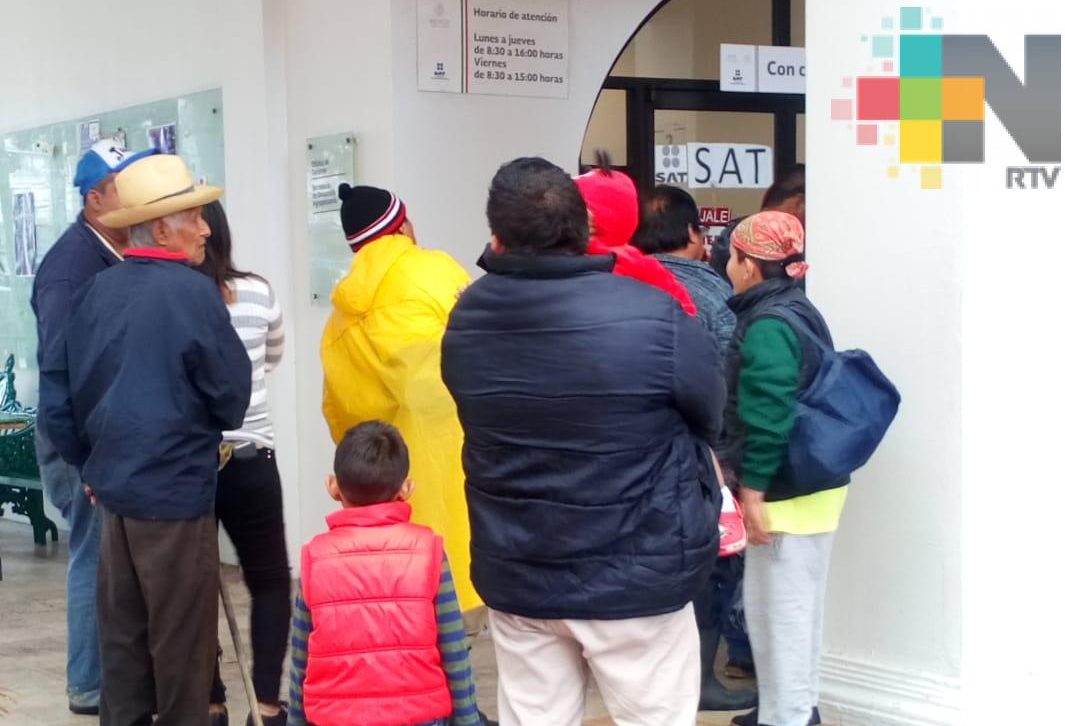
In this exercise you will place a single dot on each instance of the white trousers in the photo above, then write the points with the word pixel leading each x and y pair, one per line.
pixel 647 669
pixel 784 596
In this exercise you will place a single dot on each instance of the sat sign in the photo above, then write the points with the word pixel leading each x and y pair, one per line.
pixel 714 165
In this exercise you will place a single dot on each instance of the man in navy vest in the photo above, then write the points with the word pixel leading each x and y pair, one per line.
pixel 87 247
pixel 587 400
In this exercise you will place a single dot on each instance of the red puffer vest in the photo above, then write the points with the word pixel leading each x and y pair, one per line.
pixel 370 583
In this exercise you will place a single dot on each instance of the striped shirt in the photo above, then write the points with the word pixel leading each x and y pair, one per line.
pixel 256 316
pixel 450 639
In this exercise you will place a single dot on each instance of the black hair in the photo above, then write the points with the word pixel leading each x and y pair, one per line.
pixel 371 463
pixel 218 253
pixel 603 162
pixel 667 218
pixel 535 208
pixel 791 183
pixel 771 269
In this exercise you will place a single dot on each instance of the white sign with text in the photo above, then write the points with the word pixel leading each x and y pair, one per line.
pixel 500 47
pixel 714 166
pixel 518 47
pixel 763 68
pixel 440 60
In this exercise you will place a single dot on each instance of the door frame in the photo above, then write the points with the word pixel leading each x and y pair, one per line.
pixel 644 96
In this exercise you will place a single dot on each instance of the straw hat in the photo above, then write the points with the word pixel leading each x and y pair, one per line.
pixel 154 187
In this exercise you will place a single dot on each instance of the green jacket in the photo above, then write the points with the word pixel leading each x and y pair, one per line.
pixel 768 385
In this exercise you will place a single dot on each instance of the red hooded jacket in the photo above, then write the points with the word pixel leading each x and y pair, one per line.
pixel 615 211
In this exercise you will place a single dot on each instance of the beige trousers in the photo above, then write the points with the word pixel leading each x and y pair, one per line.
pixel 647 669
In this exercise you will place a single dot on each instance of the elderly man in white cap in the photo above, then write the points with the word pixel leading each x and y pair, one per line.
pixel 87 247
pixel 150 375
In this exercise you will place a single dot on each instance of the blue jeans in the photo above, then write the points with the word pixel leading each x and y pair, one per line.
pixel 62 485
pixel 735 622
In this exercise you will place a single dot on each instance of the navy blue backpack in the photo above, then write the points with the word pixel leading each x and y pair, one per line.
pixel 842 416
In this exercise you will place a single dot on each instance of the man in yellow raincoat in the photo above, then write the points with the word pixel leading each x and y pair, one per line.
pixel 381 358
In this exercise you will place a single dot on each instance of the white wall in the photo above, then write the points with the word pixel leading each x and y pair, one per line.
pixel 1012 398
pixel 448 146
pixel 944 601
pixel 63 59
pixel 338 79
pixel 886 271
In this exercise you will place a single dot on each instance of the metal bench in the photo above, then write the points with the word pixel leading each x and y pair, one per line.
pixel 20 479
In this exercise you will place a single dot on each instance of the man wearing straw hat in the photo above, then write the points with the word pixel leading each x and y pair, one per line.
pixel 151 373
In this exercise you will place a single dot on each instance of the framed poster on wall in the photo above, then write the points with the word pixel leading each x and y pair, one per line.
pixel 330 161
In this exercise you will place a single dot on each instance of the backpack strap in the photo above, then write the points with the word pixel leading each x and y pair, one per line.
pixel 800 325
pixel 814 348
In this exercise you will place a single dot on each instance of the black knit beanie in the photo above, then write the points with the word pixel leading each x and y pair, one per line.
pixel 368 213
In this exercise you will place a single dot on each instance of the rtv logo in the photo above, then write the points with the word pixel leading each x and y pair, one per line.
pixel 938 98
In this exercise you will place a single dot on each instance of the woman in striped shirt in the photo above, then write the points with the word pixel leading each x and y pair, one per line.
pixel 249 503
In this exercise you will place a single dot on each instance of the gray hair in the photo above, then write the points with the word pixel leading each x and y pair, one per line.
pixel 141 235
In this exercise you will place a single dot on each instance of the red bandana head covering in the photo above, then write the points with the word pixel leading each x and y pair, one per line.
pixel 614 206
pixel 772 236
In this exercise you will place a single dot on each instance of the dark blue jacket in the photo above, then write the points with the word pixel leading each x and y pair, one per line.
pixel 586 399
pixel 76 257
pixel 151 374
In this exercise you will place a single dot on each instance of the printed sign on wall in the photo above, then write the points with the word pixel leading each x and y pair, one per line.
pixel 330 161
pixel 500 47
pixel 440 65
pixel 763 68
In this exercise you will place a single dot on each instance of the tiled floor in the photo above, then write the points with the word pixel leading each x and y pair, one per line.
pixel 33 641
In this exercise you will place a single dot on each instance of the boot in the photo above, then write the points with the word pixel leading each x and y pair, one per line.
pixel 713 695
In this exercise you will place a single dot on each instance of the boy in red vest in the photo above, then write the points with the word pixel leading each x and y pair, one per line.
pixel 377 634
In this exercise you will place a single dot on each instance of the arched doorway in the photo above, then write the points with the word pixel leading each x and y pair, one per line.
pixel 664 93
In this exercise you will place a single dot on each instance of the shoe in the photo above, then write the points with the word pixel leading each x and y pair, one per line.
pixel 279 719
pixel 485 721
pixel 221 718
pixel 86 709
pixel 713 696
pixel 751 718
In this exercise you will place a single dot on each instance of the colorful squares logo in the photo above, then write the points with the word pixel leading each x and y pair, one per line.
pixel 939 110
pixel 921 142
pixel 963 142
pixel 963 99
pixel 921 56
pixel 878 99
pixel 921 99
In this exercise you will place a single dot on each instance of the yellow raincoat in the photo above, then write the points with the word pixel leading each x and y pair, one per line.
pixel 381 358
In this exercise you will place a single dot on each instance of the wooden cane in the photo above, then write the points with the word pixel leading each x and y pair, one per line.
pixel 238 645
